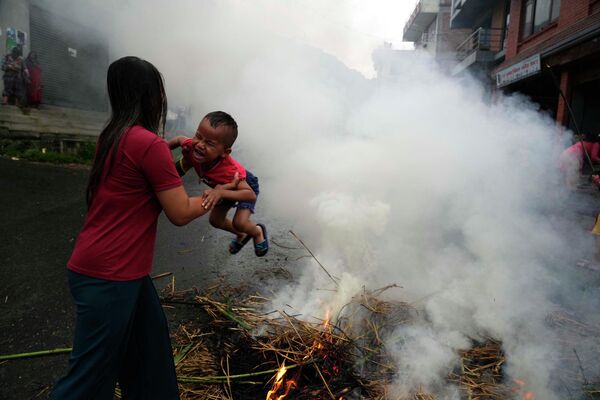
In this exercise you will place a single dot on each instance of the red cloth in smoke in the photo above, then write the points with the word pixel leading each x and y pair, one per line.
pixel 575 155
pixel 117 239
pixel 34 88
pixel 596 181
pixel 221 173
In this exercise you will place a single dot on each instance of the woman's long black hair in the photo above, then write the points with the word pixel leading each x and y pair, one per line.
pixel 137 97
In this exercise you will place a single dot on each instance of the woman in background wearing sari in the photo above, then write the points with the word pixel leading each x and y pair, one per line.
pixel 34 86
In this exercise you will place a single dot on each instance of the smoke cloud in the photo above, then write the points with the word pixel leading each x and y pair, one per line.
pixel 420 181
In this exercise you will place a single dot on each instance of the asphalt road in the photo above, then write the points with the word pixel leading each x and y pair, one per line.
pixel 42 211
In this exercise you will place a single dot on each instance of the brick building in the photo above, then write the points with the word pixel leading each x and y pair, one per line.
pixel 429 28
pixel 484 49
pixel 552 45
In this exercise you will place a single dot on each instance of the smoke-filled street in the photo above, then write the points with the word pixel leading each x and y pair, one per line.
pixel 399 199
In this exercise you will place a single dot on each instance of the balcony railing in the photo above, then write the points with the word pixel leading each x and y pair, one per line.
pixel 483 39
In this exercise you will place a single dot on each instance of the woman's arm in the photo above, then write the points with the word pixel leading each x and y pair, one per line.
pixel 179 207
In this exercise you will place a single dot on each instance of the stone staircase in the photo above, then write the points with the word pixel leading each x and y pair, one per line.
pixel 51 124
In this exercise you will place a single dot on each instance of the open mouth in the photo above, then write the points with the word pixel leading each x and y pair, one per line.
pixel 198 155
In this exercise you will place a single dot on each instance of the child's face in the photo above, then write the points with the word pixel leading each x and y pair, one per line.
pixel 207 144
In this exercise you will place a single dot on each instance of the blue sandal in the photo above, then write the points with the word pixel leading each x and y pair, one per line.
pixel 235 246
pixel 262 248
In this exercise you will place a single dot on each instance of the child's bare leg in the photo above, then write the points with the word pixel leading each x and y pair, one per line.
pixel 218 219
pixel 243 223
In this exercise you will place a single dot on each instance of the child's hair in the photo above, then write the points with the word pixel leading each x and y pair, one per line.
pixel 220 118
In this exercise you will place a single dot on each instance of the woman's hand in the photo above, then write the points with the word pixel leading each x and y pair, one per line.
pixel 236 180
pixel 211 198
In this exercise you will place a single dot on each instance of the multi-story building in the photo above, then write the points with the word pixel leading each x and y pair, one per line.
pixel 552 54
pixel 429 28
pixel 485 47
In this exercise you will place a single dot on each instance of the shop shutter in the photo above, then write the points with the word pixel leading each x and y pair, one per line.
pixel 73 60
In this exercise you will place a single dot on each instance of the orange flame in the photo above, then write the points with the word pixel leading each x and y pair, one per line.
pixel 317 344
pixel 280 373
pixel 272 394
pixel 525 395
pixel 327 318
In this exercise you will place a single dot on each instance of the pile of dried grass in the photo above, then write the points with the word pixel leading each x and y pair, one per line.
pixel 237 350
pixel 481 372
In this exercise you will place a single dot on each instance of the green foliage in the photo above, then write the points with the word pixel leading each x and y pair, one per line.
pixel 87 151
pixel 82 153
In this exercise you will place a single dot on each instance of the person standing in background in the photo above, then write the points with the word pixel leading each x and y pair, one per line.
pixel 572 159
pixel 14 77
pixel 34 85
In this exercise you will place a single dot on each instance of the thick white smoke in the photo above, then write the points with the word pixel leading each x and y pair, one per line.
pixel 419 182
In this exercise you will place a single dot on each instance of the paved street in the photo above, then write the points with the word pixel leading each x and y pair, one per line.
pixel 42 212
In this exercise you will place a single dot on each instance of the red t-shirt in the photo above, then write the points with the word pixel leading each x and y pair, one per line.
pixel 221 173
pixel 119 232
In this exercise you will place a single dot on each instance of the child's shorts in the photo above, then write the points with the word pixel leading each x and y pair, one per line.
pixel 253 183
pixel 596 228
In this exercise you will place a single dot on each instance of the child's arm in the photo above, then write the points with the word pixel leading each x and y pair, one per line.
pixel 229 186
pixel 243 193
pixel 176 142
pixel 233 185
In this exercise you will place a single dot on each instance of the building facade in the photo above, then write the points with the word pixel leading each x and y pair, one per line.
pixel 429 28
pixel 73 58
pixel 552 54
pixel 487 22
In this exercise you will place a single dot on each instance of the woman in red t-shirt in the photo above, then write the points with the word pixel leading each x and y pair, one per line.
pixel 121 333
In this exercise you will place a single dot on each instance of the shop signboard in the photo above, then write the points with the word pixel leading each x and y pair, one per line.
pixel 521 70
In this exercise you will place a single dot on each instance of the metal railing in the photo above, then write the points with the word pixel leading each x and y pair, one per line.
pixel 483 39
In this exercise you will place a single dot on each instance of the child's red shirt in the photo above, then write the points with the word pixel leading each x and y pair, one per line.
pixel 221 173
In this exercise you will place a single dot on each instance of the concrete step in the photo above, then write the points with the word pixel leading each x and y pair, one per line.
pixel 33 131
pixel 48 120
pixel 44 123
pixel 55 112
pixel 58 110
pixel 51 122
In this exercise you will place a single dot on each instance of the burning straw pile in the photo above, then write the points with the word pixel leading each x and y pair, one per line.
pixel 243 353
pixel 249 354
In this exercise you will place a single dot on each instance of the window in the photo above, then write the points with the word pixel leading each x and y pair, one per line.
pixel 537 14
pixel 506 24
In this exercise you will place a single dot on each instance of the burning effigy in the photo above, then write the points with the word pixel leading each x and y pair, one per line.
pixel 235 349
